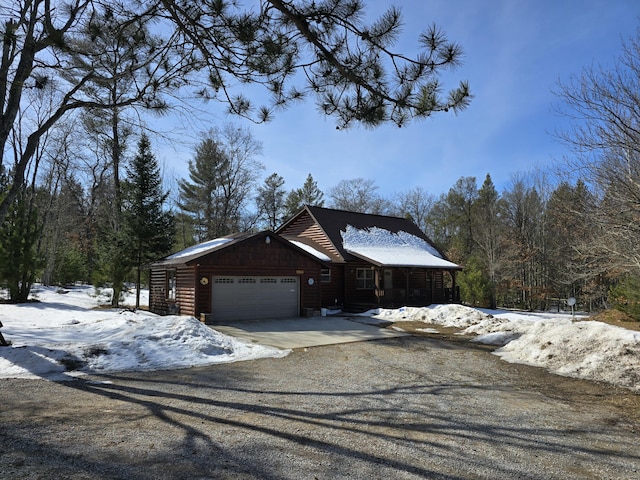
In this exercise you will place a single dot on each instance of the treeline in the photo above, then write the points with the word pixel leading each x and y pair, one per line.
pixel 532 245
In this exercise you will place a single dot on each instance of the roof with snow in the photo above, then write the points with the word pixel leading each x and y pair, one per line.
pixel 381 240
pixel 189 254
pixel 196 251
pixel 384 248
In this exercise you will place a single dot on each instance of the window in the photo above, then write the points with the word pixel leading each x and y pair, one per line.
pixel 325 275
pixel 364 279
pixel 171 285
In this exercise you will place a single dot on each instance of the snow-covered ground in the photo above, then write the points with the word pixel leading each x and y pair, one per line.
pixel 64 335
pixel 560 343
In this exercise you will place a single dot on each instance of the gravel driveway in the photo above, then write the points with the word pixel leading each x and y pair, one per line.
pixel 399 408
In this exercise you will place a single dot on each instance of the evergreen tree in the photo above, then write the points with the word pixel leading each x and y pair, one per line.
pixel 308 194
pixel 19 235
pixel 151 227
pixel 221 180
pixel 486 229
pixel 270 201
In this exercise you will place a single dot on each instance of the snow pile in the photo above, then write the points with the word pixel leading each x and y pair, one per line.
pixel 62 336
pixel 388 248
pixel 580 349
pixel 457 316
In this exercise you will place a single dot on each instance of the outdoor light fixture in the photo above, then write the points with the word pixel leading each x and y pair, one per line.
pixel 267 240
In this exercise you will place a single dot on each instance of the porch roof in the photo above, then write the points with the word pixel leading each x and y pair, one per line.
pixel 405 256
pixel 393 249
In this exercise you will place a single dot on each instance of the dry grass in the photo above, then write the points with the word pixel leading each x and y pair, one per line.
pixel 617 318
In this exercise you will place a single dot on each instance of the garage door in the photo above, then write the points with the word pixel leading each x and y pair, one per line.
pixel 252 298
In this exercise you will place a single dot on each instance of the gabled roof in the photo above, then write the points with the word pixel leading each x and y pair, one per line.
pixel 201 249
pixel 195 252
pixel 402 234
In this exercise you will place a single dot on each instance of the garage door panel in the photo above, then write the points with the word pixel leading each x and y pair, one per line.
pixel 251 298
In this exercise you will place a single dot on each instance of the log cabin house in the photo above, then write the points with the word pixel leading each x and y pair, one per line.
pixel 320 258
pixel 375 260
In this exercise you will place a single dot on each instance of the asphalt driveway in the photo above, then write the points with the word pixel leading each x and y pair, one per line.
pixel 305 332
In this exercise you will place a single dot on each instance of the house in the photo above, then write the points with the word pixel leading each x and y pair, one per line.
pixel 318 259
pixel 240 277
pixel 375 260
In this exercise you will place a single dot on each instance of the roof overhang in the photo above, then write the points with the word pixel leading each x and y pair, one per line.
pixel 402 258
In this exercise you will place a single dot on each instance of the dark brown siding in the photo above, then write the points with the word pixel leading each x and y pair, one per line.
pixel 254 257
pixel 157 292
pixel 333 292
pixel 304 227
pixel 185 290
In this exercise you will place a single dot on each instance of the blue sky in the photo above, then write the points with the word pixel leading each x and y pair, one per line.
pixel 516 52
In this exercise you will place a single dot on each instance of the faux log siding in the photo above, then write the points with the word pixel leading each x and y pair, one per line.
pixel 157 292
pixel 438 287
pixel 186 290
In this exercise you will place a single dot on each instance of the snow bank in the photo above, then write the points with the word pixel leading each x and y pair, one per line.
pixel 63 336
pixel 580 349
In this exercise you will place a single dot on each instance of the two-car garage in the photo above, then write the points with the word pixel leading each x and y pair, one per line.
pixel 246 276
pixel 251 297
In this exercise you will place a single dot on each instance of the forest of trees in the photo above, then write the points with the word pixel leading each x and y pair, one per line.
pixel 82 196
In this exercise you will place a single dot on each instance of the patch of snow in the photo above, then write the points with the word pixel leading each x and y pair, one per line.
pixel 63 335
pixel 427 330
pixel 200 248
pixel 316 253
pixel 556 342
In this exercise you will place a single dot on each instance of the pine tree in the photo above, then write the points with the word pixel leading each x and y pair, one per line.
pixel 221 180
pixel 18 255
pixel 308 194
pixel 270 201
pixel 150 226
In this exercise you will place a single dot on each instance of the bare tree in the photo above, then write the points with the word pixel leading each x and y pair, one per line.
pixel 358 195
pixel 415 204
pixel 605 135
pixel 48 45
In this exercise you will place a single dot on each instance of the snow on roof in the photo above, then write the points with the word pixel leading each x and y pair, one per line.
pixel 383 247
pixel 309 249
pixel 199 248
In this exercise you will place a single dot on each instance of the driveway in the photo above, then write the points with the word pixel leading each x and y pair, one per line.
pixel 404 408
pixel 305 332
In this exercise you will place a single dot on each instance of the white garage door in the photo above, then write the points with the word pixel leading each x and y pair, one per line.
pixel 253 298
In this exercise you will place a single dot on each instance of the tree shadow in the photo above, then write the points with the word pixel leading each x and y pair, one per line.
pixel 229 421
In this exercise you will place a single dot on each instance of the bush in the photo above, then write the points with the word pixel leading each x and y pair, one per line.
pixel 625 296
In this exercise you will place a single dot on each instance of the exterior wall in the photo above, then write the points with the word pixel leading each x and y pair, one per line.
pixel 157 292
pixel 185 291
pixel 184 303
pixel 333 291
pixel 254 257
pixel 305 227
